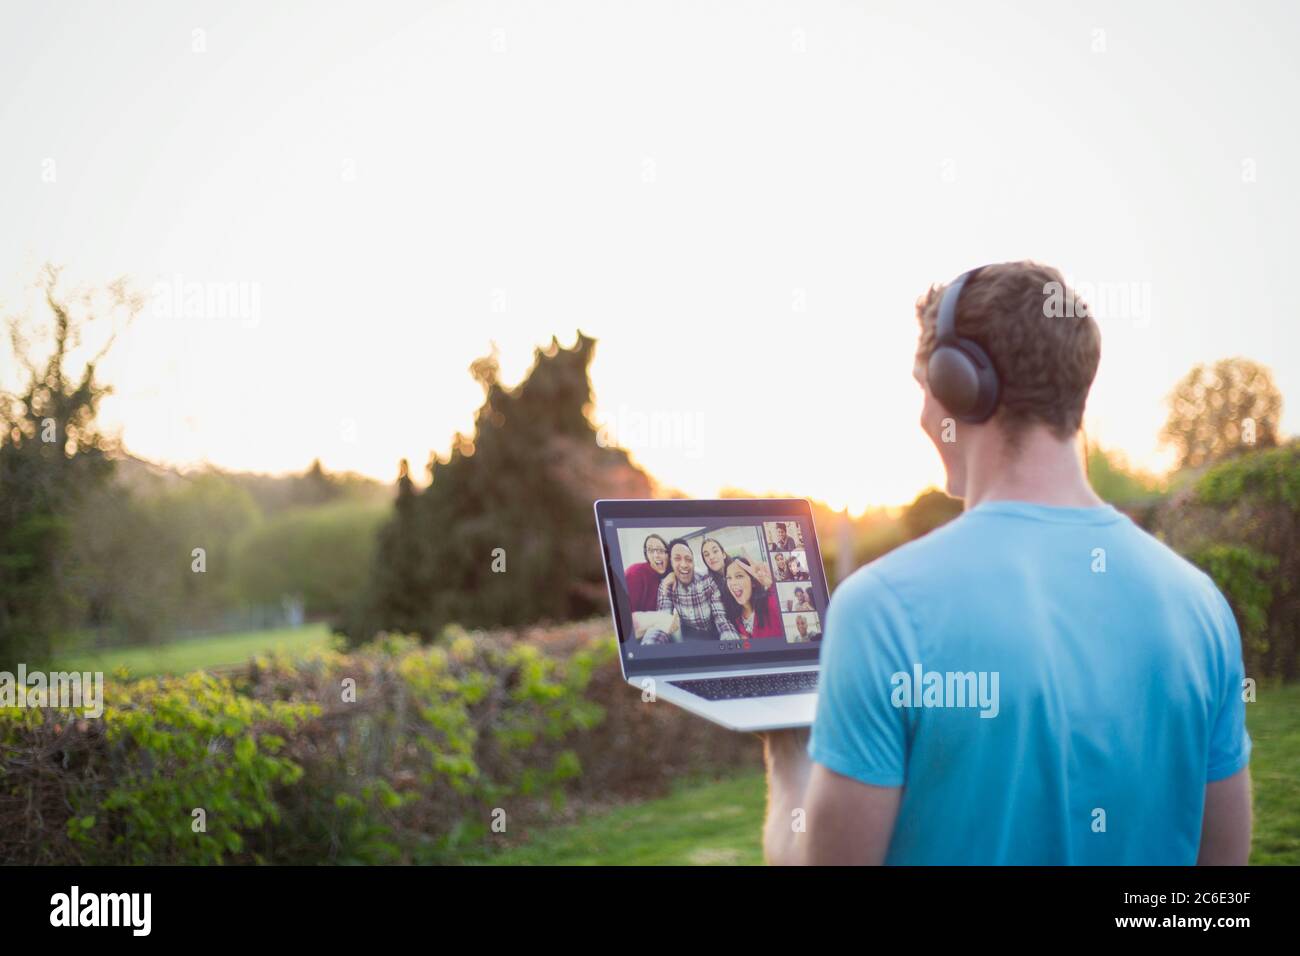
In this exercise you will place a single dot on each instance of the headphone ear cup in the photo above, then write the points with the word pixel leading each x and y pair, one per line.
pixel 953 380
pixel 962 378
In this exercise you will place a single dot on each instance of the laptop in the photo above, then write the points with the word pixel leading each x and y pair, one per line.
pixel 718 605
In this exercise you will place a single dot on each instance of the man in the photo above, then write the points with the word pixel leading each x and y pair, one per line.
pixel 694 598
pixel 1036 682
pixel 805 634
pixel 780 571
pixel 782 541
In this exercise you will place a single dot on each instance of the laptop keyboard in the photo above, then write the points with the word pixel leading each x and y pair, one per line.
pixel 750 685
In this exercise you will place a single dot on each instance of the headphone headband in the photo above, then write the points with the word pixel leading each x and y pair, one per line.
pixel 946 326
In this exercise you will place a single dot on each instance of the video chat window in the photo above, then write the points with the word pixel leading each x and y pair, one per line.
pixel 690 585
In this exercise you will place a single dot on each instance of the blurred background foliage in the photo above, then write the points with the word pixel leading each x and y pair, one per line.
pixel 473 686
pixel 97 547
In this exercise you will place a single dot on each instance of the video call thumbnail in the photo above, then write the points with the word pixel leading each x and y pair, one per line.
pixel 783 535
pixel 802 628
pixel 793 596
pixel 691 584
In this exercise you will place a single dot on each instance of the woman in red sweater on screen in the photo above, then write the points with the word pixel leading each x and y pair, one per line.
pixel 643 578
pixel 751 586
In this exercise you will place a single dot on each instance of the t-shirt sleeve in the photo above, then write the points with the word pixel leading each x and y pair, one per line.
pixel 868 638
pixel 1229 741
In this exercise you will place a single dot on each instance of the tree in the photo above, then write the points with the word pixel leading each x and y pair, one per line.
pixel 322 555
pixel 503 534
pixel 1116 482
pixel 400 576
pixel 51 454
pixel 928 511
pixel 1221 410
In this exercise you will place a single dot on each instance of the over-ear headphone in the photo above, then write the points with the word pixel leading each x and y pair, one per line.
pixel 960 373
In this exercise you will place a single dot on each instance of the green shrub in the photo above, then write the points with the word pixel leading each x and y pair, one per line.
pixel 1242 574
pixel 1239 520
pixel 190 744
pixel 437 748
pixel 1271 476
pixel 135 778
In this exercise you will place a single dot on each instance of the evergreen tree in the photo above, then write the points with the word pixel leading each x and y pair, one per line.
pixel 399 577
pixel 50 456
pixel 504 533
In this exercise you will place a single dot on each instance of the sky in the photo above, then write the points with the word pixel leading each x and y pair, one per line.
pixel 332 209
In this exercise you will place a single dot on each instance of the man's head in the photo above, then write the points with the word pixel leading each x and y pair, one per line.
pixel 1044 345
pixel 683 560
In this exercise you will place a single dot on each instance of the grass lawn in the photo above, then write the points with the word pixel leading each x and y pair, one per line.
pixel 199 653
pixel 1274 722
pixel 711 823
pixel 719 822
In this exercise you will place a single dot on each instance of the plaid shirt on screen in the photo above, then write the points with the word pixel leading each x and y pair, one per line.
pixel 698 604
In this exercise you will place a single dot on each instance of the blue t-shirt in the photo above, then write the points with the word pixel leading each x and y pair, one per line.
pixel 1047 685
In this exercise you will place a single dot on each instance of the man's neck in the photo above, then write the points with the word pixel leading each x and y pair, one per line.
pixel 1040 469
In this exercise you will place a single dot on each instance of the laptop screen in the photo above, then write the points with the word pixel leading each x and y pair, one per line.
pixel 724 589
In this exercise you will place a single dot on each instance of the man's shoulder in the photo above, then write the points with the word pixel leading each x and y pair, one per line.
pixel 1177 574
pixel 921 556
pixel 881 583
pixel 868 587
pixel 916 569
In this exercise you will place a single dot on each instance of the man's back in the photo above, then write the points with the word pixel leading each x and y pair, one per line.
pixel 1111 677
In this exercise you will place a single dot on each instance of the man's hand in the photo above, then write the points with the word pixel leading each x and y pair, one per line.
pixel 785 752
pixel 786 747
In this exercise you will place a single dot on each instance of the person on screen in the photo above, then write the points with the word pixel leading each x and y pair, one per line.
pixel 715 562
pixel 643 580
pixel 694 598
pixel 1118 691
pixel 782 541
pixel 804 633
pixel 758 611
pixel 801 601
pixel 782 570
pixel 644 577
pixel 796 569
